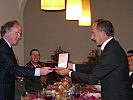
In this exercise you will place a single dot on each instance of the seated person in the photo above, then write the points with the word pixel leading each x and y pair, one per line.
pixel 130 62
pixel 36 84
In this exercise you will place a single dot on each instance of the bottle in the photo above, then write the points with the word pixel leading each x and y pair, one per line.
pixel 58 96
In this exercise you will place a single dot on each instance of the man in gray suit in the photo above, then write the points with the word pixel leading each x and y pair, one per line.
pixel 111 68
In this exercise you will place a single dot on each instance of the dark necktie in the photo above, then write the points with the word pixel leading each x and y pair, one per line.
pixel 101 51
pixel 12 51
pixel 13 54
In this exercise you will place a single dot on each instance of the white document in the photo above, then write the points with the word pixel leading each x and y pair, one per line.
pixel 63 60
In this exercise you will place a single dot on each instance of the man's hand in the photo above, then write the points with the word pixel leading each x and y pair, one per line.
pixel 45 70
pixel 62 71
pixel 70 66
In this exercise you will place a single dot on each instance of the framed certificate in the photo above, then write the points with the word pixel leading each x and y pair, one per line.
pixel 63 60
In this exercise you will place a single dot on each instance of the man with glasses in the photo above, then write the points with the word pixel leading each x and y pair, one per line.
pixel 11 33
pixel 36 84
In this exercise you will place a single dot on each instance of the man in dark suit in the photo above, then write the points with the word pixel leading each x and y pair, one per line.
pixel 111 68
pixel 9 69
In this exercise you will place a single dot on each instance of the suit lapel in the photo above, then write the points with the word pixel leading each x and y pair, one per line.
pixel 9 49
pixel 12 52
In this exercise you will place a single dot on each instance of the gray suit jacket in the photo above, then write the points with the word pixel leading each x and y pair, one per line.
pixel 111 69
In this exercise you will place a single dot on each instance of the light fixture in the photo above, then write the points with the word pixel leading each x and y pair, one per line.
pixel 52 4
pixel 73 9
pixel 85 19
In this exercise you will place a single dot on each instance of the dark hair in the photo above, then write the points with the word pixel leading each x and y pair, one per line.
pixel 33 50
pixel 106 26
pixel 7 26
pixel 130 52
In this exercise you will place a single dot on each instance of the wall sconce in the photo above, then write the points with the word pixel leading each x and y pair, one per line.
pixel 85 19
pixel 52 4
pixel 73 9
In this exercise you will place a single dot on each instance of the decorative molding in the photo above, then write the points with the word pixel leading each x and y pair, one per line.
pixel 21 4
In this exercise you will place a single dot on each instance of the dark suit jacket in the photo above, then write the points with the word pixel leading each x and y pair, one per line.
pixel 111 69
pixel 9 69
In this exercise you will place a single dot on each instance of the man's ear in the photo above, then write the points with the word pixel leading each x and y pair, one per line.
pixel 104 33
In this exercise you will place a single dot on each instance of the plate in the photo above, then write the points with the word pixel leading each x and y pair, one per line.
pixel 38 99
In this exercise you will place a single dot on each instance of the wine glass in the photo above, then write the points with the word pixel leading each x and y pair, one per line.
pixel 76 91
pixel 48 97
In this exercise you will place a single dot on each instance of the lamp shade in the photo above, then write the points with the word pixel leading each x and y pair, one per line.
pixel 52 4
pixel 73 9
pixel 85 19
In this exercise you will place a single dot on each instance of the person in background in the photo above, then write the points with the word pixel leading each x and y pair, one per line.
pixel 130 62
pixel 36 84
pixel 11 33
pixel 111 68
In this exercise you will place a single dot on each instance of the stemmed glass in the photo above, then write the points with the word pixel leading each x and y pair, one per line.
pixel 48 97
pixel 77 90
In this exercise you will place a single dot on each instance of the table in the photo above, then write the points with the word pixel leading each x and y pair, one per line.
pixel 87 94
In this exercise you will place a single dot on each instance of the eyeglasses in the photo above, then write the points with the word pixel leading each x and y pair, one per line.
pixel 35 55
pixel 19 34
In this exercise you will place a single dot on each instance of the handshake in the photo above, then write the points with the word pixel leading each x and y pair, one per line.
pixel 61 71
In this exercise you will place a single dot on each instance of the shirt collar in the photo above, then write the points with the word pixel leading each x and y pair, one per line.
pixel 104 44
pixel 7 42
pixel 33 64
